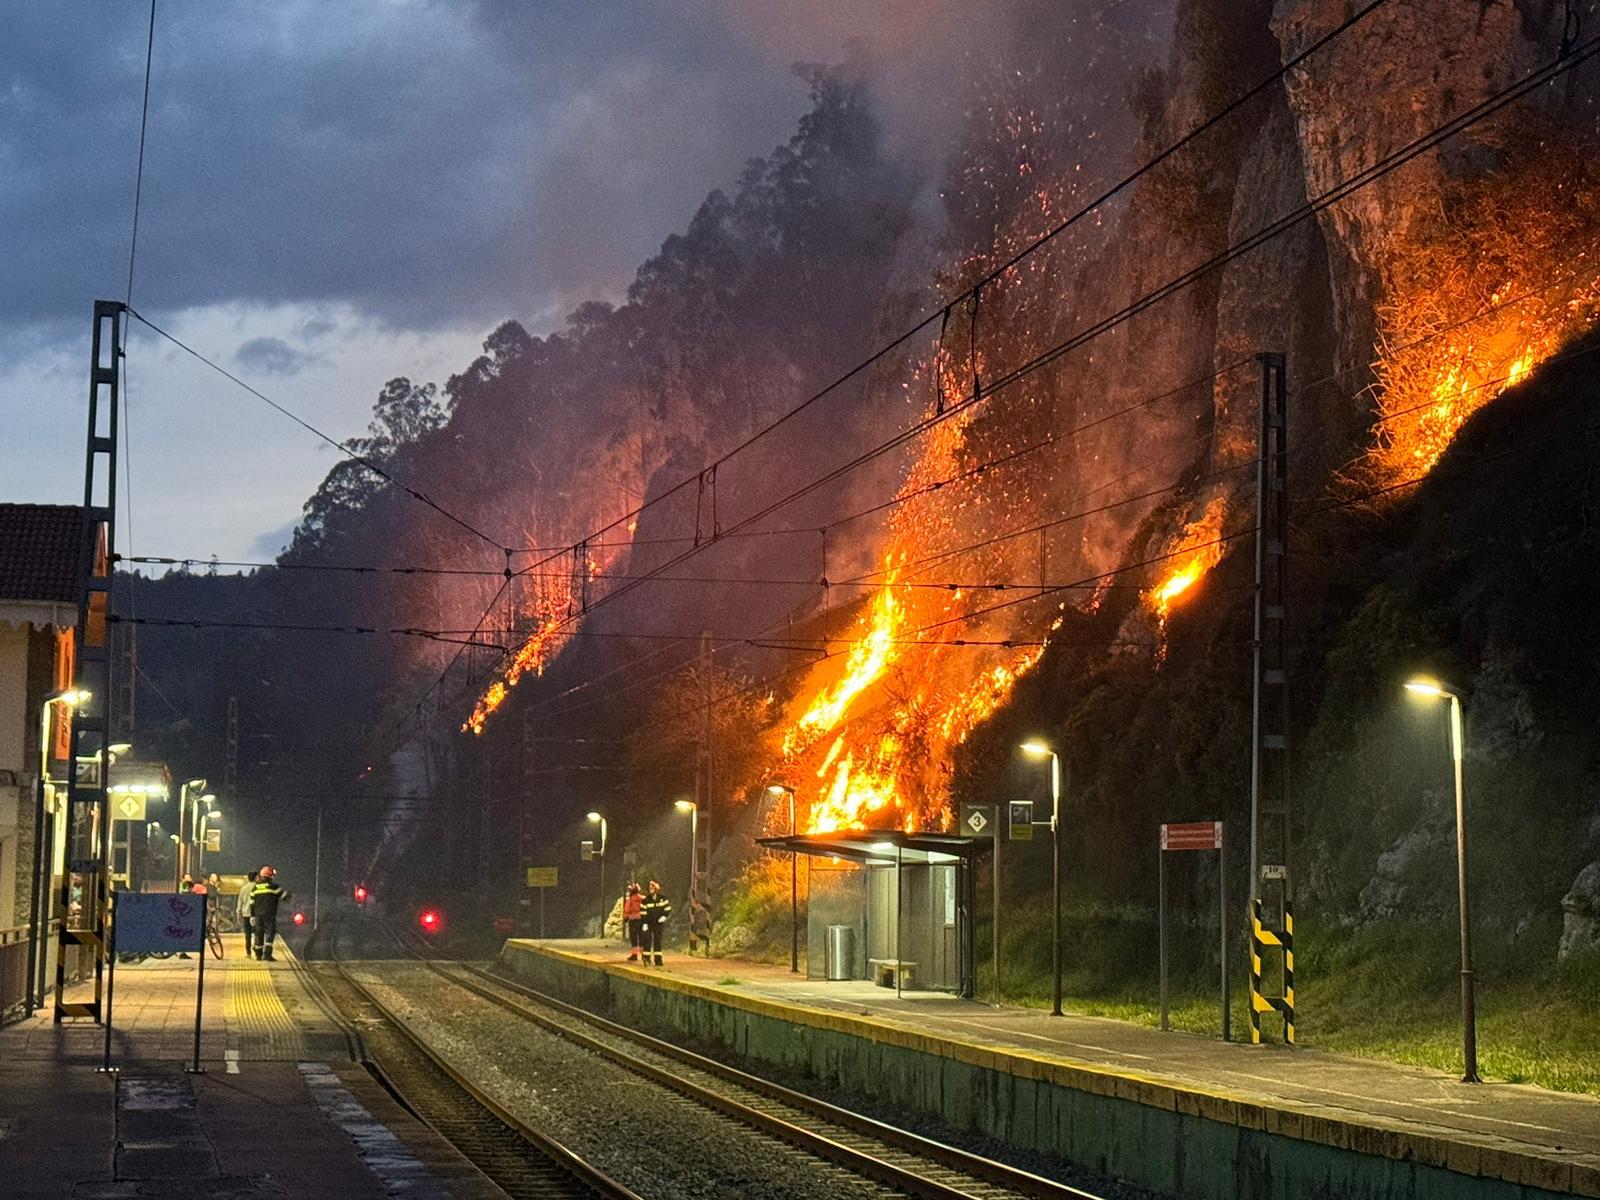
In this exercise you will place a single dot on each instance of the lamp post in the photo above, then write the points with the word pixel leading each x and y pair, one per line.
pixel 693 809
pixel 185 827
pixel 1432 689
pixel 596 819
pixel 206 818
pixel 1037 749
pixel 778 789
pixel 43 858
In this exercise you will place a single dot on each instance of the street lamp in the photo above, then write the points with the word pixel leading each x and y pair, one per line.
pixel 778 789
pixel 43 858
pixel 596 819
pixel 693 809
pixel 203 827
pixel 1038 750
pixel 1431 689
pixel 185 827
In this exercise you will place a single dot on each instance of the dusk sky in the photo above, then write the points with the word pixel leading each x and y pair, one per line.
pixel 334 196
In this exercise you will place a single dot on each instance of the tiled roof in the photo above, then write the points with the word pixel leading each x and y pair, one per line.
pixel 39 552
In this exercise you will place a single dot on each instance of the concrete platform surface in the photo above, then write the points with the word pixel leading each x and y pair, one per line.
pixel 1375 1106
pixel 280 1109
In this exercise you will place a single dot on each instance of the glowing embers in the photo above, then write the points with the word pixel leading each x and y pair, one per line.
pixel 1195 551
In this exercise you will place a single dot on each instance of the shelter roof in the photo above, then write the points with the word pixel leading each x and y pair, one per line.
pixel 882 846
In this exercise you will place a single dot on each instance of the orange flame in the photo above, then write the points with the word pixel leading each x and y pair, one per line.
pixel 530 656
pixel 1199 548
pixel 869 657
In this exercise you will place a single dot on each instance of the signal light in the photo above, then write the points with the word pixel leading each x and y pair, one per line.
pixel 299 918
pixel 361 893
pixel 430 921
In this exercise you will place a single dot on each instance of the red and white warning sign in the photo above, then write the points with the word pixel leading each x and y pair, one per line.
pixel 1192 835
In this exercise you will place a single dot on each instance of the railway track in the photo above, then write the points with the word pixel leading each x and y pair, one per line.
pixel 903 1161
pixel 524 1162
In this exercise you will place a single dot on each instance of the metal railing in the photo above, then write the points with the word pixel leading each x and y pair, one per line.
pixel 14 948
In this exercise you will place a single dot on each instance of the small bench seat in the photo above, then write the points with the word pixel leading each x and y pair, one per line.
pixel 885 971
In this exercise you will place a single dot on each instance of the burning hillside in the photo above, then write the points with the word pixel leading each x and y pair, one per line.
pixel 1093 466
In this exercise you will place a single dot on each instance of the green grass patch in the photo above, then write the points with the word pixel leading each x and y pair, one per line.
pixel 1388 991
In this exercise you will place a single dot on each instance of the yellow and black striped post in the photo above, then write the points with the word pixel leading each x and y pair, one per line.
pixel 1283 939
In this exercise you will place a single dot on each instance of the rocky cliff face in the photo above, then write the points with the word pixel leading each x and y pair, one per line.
pixel 1390 79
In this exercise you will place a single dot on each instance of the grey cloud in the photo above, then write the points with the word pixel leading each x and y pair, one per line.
pixel 430 164
pixel 271 356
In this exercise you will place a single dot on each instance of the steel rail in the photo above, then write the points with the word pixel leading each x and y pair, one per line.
pixel 584 1174
pixel 987 1173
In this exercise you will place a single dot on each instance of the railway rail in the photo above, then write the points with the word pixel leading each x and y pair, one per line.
pixel 905 1162
pixel 524 1162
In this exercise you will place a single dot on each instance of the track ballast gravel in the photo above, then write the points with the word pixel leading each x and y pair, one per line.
pixel 643 1134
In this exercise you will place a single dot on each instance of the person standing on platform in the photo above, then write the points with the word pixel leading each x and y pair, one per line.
pixel 264 900
pixel 633 919
pixel 653 913
pixel 242 909
pixel 188 885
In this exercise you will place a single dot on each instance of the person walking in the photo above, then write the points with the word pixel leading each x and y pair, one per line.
pixel 633 918
pixel 241 909
pixel 264 900
pixel 653 913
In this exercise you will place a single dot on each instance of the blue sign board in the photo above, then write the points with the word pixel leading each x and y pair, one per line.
pixel 154 922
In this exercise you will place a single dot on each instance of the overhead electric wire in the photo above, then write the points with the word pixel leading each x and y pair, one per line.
pixel 995 273
pixel 905 336
pixel 452 635
pixel 344 449
pixel 1341 191
pixel 1338 192
pixel 138 176
pixel 122 367
pixel 1097 580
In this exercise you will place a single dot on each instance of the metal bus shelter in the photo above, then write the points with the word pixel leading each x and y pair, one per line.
pixel 888 903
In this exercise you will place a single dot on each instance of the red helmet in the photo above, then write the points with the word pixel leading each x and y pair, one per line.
pixel 267 872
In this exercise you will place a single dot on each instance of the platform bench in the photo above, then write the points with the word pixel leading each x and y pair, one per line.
pixel 885 971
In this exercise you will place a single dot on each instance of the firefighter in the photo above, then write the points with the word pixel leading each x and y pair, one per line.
pixel 633 918
pixel 264 900
pixel 653 913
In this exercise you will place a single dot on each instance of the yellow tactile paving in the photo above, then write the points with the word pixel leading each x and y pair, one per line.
pixel 258 1024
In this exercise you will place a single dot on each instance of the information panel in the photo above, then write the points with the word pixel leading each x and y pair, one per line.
pixel 157 922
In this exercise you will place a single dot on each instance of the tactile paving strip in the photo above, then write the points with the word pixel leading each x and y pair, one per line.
pixel 259 1026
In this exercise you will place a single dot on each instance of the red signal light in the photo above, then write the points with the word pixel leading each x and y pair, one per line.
pixel 429 920
pixel 299 918
pixel 361 893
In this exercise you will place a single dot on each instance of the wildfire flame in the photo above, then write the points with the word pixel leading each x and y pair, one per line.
pixel 869 657
pixel 530 656
pixel 1486 296
pixel 1199 548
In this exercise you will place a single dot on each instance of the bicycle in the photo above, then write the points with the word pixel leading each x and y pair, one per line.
pixel 214 934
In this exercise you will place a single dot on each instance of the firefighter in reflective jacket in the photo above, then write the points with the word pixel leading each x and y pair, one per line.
pixel 633 918
pixel 654 913
pixel 264 900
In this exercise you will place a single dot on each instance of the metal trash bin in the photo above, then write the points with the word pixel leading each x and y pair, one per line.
pixel 841 952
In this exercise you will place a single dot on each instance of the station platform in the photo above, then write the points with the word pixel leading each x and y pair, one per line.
pixel 1023 1069
pixel 280 1110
